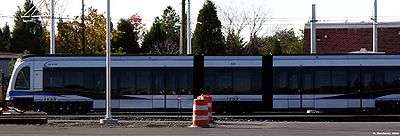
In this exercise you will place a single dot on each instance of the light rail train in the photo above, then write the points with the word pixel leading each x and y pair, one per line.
pixel 67 84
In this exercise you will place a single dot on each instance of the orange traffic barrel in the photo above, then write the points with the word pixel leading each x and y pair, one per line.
pixel 200 113
pixel 208 98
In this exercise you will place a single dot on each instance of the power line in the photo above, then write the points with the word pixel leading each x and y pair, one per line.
pixel 268 20
pixel 45 17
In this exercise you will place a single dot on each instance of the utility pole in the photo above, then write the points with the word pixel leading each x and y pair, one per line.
pixel 83 28
pixel 189 31
pixel 30 16
pixel 52 31
pixel 313 30
pixel 182 43
pixel 375 28
pixel 108 118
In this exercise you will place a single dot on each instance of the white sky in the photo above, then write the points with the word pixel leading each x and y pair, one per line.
pixel 287 13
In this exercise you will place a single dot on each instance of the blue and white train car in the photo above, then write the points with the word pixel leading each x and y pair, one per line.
pixel 65 84
pixel 334 81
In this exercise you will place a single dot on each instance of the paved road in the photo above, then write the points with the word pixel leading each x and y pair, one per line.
pixel 224 128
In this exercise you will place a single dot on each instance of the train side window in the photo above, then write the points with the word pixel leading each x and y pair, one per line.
pixel 372 80
pixel 224 81
pixel 74 80
pixel 23 79
pixel 218 80
pixel 171 80
pixel 256 81
pixel 392 79
pixel 247 81
pixel 308 82
pixel 322 81
pixel 126 81
pixel 339 81
pixel 53 79
pixel 241 81
pixel 93 82
pixel 367 80
pixel 184 79
pixel 354 80
pixel 378 80
pixel 178 81
pixel 115 80
pixel 158 83
pixel 286 81
pixel 209 80
pixel 143 82
pixel 280 82
pixel 293 82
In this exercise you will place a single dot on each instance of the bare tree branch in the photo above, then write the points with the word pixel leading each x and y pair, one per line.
pixel 257 20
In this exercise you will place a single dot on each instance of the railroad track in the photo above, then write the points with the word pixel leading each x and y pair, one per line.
pixel 351 118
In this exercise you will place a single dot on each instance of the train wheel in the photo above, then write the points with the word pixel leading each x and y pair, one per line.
pixel 82 109
pixel 217 108
pixel 68 109
pixel 77 109
pixel 51 109
pixel 60 109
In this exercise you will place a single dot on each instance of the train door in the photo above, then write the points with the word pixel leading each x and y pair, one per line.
pixel 178 84
pixel 362 84
pixel 286 88
pixel 295 96
pixel 171 90
pixel 371 83
pixel 355 99
pixel 307 93
pixel 158 91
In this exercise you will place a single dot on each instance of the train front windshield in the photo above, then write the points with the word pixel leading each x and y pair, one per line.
pixel 22 82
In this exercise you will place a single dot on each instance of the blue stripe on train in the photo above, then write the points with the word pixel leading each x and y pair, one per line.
pixel 30 93
pixel 45 93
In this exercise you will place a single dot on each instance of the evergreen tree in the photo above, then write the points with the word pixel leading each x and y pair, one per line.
pixel 5 40
pixel 27 36
pixel 276 47
pixel 234 44
pixel 290 43
pixel 153 39
pixel 163 37
pixel 2 47
pixel 127 37
pixel 207 37
pixel 170 21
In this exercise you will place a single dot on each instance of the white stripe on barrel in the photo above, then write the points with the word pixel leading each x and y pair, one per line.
pixel 200 117
pixel 202 107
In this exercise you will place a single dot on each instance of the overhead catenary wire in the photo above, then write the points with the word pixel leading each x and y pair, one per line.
pixel 291 21
pixel 282 19
pixel 268 22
